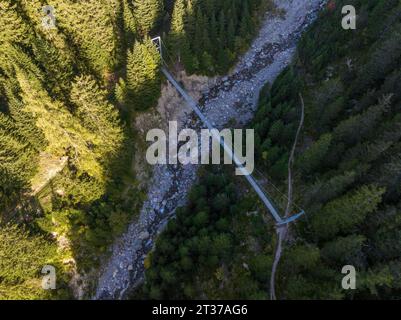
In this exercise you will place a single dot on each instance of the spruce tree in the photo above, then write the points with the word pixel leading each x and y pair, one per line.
pixel 16 154
pixel 357 127
pixel 342 215
pixel 97 115
pixel 143 78
pixel 13 28
pixel 64 135
pixel 345 250
pixel 128 19
pixel 178 42
pixel 147 13
pixel 83 20
pixel 58 65
pixel 22 258
pixel 312 158
pixel 12 188
pixel 23 120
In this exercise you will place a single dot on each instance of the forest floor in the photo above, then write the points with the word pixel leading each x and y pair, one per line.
pixel 229 99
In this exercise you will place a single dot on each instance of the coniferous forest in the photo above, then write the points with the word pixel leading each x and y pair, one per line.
pixel 69 98
pixel 347 178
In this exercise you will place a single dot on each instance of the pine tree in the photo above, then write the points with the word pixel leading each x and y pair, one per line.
pixel 245 25
pixel 15 152
pixel 128 18
pixel 97 115
pixel 224 38
pixel 32 9
pixel 65 136
pixel 13 28
pixel 147 13
pixel 178 42
pixel 375 278
pixel 342 215
pixel 301 258
pixel 22 258
pixel 198 36
pixel 58 65
pixel 83 20
pixel 143 79
pixel 12 187
pixel 17 58
pixel 190 22
pixel 23 120
pixel 213 34
pixel 324 190
pixel 355 128
pixel 345 251
pixel 312 158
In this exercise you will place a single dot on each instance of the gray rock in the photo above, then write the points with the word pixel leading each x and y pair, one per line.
pixel 143 235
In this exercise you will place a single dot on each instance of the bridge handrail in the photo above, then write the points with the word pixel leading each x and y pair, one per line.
pixel 268 203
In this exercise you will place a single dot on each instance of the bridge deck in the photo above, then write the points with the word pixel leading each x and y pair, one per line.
pixel 251 180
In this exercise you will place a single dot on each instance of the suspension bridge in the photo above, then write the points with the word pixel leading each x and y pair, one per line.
pixel 262 194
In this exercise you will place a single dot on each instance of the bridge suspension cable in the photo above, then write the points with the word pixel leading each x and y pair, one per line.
pixel 251 180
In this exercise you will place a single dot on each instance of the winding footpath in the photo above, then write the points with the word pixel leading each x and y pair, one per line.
pixel 232 97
